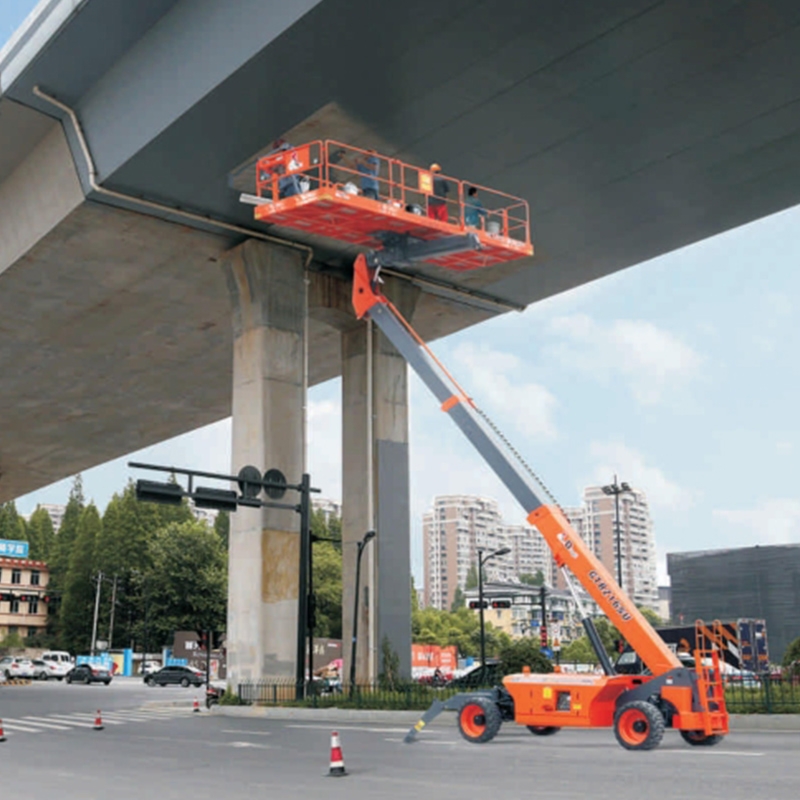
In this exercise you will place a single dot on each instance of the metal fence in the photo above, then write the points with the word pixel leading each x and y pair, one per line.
pixel 762 695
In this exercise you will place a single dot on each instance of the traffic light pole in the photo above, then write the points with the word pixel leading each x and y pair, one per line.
pixel 208 661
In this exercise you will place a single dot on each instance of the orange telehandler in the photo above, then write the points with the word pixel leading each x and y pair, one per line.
pixel 638 707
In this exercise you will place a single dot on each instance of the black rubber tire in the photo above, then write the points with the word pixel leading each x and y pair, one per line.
pixel 543 730
pixel 649 717
pixel 150 681
pixel 87 680
pixel 185 683
pixel 492 720
pixel 107 683
pixel 69 679
pixel 699 738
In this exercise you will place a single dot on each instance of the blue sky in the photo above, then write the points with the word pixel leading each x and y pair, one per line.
pixel 677 374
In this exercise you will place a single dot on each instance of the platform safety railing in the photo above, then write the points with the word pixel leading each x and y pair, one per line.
pixel 405 187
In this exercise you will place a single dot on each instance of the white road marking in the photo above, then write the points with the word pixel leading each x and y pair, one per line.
pixel 59 722
pixel 14 727
pixel 87 718
pixel 248 733
pixel 51 725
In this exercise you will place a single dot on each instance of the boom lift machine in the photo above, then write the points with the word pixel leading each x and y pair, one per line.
pixel 638 707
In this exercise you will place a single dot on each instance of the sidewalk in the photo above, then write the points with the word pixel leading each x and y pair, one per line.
pixel 738 722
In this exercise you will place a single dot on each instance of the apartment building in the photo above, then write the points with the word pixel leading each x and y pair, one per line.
pixel 453 531
pixel 23 598
pixel 595 521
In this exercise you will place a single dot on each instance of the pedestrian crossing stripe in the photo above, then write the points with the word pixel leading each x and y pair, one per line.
pixel 58 723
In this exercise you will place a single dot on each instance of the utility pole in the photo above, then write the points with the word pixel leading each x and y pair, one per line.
pixel 617 489
pixel 96 611
pixel 113 608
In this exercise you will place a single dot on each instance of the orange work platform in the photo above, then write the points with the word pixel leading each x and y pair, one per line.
pixel 360 197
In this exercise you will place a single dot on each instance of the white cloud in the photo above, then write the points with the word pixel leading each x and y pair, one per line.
pixel 649 358
pixel 616 458
pixel 325 446
pixel 773 521
pixel 490 378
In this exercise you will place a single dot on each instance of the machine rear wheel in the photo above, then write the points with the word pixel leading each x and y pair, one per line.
pixel 639 726
pixel 479 720
pixel 700 739
pixel 543 730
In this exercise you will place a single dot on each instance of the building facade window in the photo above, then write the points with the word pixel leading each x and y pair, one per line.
pixel 13 606
pixel 16 576
pixel 33 606
pixel 35 577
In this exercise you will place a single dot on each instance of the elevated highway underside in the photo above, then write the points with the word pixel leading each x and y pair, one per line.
pixel 632 127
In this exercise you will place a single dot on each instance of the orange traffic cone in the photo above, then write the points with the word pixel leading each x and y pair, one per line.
pixel 337 769
pixel 98 722
pixel 2 735
pixel 196 706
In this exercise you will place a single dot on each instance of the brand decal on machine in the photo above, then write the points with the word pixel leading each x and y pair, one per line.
pixel 567 542
pixel 608 593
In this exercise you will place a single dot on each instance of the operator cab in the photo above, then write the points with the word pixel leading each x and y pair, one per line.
pixel 629 663
pixel 360 197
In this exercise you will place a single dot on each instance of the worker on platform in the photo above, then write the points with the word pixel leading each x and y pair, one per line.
pixel 437 202
pixel 473 209
pixel 288 185
pixel 368 167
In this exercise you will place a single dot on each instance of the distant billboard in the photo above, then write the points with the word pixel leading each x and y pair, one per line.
pixel 11 548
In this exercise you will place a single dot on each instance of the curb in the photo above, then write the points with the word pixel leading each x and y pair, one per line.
pixel 318 714
pixel 765 722
pixel 16 682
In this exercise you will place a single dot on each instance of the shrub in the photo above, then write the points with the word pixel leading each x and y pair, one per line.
pixel 523 653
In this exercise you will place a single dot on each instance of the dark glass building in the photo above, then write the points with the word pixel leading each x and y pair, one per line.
pixel 755 582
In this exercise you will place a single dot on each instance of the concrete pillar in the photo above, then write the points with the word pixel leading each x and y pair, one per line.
pixel 375 454
pixel 267 292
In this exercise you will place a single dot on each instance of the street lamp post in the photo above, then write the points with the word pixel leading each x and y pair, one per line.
pixel 617 489
pixel 361 545
pixel 481 561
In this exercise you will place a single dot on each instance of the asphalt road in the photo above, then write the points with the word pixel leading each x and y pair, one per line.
pixel 171 752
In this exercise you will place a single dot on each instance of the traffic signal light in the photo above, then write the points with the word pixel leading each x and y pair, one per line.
pixel 620 645
pixel 543 635
pixel 501 604
pixel 477 604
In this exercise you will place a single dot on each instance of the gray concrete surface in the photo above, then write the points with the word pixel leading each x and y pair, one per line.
pixel 202 756
pixel 267 291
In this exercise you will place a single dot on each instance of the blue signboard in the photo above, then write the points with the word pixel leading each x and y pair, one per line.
pixel 13 549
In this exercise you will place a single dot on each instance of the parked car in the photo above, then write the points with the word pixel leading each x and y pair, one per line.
pixel 185 676
pixel 741 677
pixel 59 663
pixel 43 670
pixel 16 667
pixel 150 667
pixel 89 673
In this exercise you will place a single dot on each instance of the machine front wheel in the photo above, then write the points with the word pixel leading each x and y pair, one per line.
pixel 700 739
pixel 479 720
pixel 543 730
pixel 639 726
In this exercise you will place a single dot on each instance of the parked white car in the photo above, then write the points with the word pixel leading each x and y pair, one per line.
pixel 59 663
pixel 16 667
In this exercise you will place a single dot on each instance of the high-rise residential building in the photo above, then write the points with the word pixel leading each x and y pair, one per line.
pixel 595 521
pixel 452 533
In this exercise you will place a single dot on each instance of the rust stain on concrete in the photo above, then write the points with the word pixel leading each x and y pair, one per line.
pixel 279 565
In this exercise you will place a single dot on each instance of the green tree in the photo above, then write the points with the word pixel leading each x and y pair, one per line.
pixel 471 581
pixel 77 606
pixel 791 658
pixel 580 651
pixel 187 582
pixel 67 533
pixel 523 653
pixel 460 628
pixel 41 535
pixel 222 526
pixel 530 579
pixel 415 605
pixel 12 525
pixel 651 616
pixel 458 599
pixel 328 590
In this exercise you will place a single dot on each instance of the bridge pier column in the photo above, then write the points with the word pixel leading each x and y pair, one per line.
pixel 266 285
pixel 375 454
